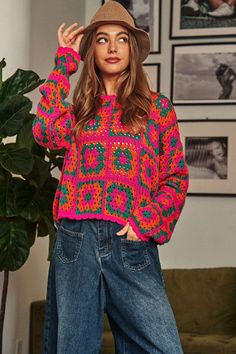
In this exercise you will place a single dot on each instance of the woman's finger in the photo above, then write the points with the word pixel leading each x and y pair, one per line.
pixel 123 230
pixel 131 235
pixel 77 30
pixel 70 29
pixel 75 33
pixel 66 31
pixel 66 38
pixel 61 28
pixel 60 32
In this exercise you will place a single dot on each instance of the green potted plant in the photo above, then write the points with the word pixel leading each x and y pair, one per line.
pixel 27 186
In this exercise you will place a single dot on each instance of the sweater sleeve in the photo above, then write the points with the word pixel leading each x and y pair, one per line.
pixel 158 218
pixel 54 118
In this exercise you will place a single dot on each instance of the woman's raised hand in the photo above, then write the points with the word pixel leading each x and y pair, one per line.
pixel 70 37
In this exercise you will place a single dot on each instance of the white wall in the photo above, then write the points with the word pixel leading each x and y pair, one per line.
pixel 205 233
pixel 15 34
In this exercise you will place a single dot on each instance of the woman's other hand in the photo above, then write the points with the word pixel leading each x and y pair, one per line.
pixel 131 235
pixel 70 37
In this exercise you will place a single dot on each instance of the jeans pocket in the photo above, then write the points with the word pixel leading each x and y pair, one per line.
pixel 134 254
pixel 68 244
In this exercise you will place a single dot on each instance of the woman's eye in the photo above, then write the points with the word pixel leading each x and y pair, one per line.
pixel 125 39
pixel 104 40
pixel 99 39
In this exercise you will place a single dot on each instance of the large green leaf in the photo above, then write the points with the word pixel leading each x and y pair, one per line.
pixel 26 139
pixel 3 197
pixel 14 245
pixel 42 227
pixel 21 82
pixel 16 160
pixel 25 136
pixel 10 196
pixel 4 174
pixel 17 198
pixel 31 231
pixel 7 197
pixel 13 111
pixel 26 201
pixel 38 150
pixel 32 202
pixel 40 172
pixel 46 194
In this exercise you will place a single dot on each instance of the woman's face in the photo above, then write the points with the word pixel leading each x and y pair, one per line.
pixel 112 41
pixel 217 150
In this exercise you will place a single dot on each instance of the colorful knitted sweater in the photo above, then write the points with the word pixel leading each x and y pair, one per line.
pixel 109 173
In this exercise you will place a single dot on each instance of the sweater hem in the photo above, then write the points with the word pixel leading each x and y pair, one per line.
pixel 90 216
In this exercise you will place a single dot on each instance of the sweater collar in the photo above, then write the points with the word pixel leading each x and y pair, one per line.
pixel 107 99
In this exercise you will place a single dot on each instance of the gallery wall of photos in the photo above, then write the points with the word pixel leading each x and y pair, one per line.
pixel 202 75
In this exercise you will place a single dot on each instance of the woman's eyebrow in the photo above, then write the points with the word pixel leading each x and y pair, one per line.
pixel 105 33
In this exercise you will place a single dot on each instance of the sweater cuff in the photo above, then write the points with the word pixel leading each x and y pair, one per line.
pixel 68 58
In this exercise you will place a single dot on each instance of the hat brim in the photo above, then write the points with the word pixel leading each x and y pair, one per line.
pixel 142 37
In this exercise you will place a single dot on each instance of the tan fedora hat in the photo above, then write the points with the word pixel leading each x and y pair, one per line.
pixel 113 12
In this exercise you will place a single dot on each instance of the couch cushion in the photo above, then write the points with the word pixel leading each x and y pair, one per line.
pixel 208 344
pixel 108 343
pixel 203 300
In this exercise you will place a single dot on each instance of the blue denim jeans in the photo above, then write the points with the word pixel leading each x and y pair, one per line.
pixel 93 271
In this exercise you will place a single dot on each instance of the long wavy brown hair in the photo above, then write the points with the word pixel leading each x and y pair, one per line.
pixel 133 91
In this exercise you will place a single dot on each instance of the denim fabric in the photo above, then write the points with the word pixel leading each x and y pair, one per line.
pixel 93 271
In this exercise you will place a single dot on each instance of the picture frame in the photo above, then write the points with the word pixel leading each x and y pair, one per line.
pixel 153 72
pixel 184 25
pixel 210 153
pixel 203 73
pixel 147 16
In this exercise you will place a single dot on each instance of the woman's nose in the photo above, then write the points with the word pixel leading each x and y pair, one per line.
pixel 112 46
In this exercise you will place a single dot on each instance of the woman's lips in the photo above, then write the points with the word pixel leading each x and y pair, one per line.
pixel 112 61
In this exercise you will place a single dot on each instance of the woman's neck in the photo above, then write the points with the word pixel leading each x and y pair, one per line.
pixel 109 85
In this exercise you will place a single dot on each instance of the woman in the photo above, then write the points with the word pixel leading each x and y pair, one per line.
pixel 122 188
pixel 218 157
pixel 207 158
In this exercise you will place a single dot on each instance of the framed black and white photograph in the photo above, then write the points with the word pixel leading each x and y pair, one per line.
pixel 147 16
pixel 203 73
pixel 202 18
pixel 210 153
pixel 153 72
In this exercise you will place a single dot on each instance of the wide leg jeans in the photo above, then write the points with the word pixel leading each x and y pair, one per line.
pixel 93 271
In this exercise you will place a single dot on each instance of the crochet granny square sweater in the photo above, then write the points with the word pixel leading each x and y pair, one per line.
pixel 108 173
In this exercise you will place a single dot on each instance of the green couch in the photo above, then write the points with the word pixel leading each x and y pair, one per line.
pixel 204 304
